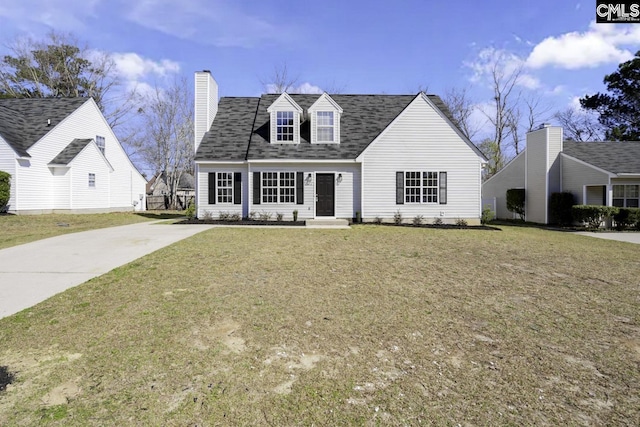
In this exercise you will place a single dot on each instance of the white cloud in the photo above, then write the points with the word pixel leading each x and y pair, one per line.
pixel 222 23
pixel 600 44
pixel 132 66
pixel 59 14
pixel 302 88
pixel 505 65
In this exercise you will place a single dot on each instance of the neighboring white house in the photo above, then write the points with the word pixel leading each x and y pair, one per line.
pixel 596 173
pixel 333 156
pixel 64 157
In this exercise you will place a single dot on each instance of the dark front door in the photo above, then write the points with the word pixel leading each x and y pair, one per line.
pixel 325 194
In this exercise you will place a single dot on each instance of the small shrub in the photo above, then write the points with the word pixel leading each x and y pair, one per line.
pixel 560 208
pixel 487 215
pixel 265 216
pixel 207 215
pixel 437 221
pixel 279 216
pixel 460 222
pixel 5 190
pixel 235 217
pixel 358 217
pixel 224 216
pixel 190 212
pixel 626 218
pixel 515 201
pixel 253 215
pixel 592 215
pixel 377 220
pixel 418 219
pixel 295 215
pixel 397 218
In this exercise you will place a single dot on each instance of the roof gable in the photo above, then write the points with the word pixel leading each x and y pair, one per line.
pixel 614 157
pixel 284 101
pixel 71 151
pixel 23 122
pixel 323 100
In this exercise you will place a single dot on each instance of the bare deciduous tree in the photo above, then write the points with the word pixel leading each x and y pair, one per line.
pixel 280 81
pixel 165 139
pixel 461 107
pixel 523 117
pixel 579 126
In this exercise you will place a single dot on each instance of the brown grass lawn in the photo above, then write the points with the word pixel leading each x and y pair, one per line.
pixel 369 326
pixel 19 229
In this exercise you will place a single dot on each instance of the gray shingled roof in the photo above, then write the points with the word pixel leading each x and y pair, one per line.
pixel 241 128
pixel 24 121
pixel 615 157
pixel 70 152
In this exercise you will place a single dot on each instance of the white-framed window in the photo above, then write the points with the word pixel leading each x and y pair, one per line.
pixel 324 126
pixel 287 188
pixel 626 196
pixel 284 125
pixel 92 180
pixel 278 187
pixel 428 187
pixel 225 187
pixel 421 187
pixel 100 143
pixel 269 187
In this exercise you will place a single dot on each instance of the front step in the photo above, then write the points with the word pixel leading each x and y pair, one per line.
pixel 327 223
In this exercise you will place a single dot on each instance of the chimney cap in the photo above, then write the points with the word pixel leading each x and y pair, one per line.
pixel 206 71
pixel 544 125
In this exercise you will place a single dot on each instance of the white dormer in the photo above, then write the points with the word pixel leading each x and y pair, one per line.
pixel 285 120
pixel 325 120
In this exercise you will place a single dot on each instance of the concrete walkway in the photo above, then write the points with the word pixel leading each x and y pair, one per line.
pixel 632 237
pixel 33 272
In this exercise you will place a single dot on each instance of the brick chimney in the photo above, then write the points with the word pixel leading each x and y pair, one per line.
pixel 206 104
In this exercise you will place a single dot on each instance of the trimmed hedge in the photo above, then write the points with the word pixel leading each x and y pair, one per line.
pixel 626 218
pixel 560 208
pixel 5 189
pixel 592 215
pixel 515 201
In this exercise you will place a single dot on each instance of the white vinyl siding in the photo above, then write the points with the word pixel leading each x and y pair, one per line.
pixel 420 139
pixel 511 176
pixel 347 197
pixel 8 165
pixel 202 196
pixel 206 104
pixel 576 175
pixel 36 186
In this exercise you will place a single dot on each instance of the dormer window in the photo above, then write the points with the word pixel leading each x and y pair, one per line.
pixel 325 120
pixel 100 143
pixel 285 116
pixel 325 129
pixel 284 125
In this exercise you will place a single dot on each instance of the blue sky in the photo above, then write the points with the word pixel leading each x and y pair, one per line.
pixel 358 46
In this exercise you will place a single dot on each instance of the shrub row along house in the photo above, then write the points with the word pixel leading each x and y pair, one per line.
pixel 333 156
pixel 64 157
pixel 596 173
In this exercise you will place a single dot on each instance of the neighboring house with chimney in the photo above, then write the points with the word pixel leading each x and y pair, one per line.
pixel 333 156
pixel 64 157
pixel 596 173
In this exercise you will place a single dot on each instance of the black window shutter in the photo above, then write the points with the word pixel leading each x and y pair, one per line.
pixel 399 188
pixel 237 188
pixel 256 188
pixel 300 188
pixel 443 188
pixel 212 188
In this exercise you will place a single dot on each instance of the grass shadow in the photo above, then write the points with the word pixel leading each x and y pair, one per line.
pixel 6 377
pixel 160 215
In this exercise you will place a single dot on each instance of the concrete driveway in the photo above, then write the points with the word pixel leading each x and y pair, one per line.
pixel 33 272
pixel 621 237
